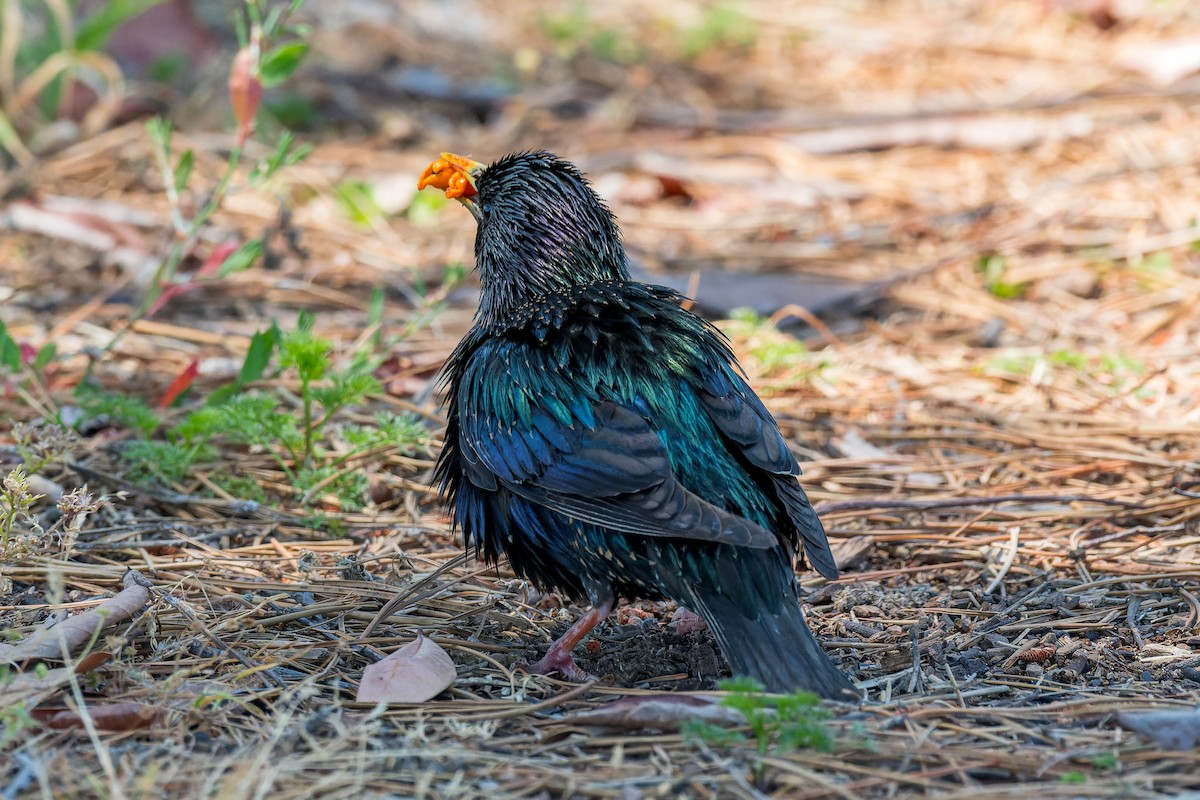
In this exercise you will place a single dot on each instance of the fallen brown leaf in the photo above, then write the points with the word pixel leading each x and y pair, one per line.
pixel 29 688
pixel 77 631
pixel 106 717
pixel 658 711
pixel 418 671
pixel 92 660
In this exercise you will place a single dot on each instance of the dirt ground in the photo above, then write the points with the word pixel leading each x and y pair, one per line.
pixel 968 236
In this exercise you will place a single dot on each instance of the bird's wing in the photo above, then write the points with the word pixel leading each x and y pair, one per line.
pixel 606 467
pixel 738 413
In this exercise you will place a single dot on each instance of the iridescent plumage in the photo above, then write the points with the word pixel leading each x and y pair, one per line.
pixel 603 438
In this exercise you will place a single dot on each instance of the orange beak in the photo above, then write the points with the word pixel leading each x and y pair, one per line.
pixel 456 176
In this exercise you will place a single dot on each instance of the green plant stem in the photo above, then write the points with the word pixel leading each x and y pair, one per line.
pixel 11 142
pixel 192 229
pixel 306 396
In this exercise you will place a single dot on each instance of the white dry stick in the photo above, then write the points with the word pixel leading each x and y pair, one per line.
pixel 1014 536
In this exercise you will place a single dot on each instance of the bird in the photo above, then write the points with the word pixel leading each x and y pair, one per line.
pixel 605 440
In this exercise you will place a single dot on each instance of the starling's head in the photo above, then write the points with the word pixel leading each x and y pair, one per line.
pixel 542 227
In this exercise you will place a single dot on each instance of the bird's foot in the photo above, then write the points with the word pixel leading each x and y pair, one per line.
pixel 558 658
pixel 560 661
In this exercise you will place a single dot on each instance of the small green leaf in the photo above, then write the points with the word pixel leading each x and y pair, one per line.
pixel 293 110
pixel 10 351
pixel 425 208
pixel 741 683
pixel 279 63
pixel 993 267
pixel 131 412
pixel 285 155
pixel 241 259
pixel 357 199
pixel 45 356
pixel 262 345
pixel 159 131
pixel 157 462
pixel 258 356
pixel 376 315
pixel 305 351
pixel 1160 263
pixel 724 25
pixel 454 274
pixel 168 68
pixel 183 169
pixel 242 487
pixel 345 389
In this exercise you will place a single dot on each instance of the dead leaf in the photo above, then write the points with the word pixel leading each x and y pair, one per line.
pixel 29 688
pixel 92 660
pixel 658 711
pixel 1170 730
pixel 418 671
pixel 77 631
pixel 106 717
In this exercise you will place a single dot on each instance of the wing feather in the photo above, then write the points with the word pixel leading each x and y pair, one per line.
pixel 615 472
pixel 738 413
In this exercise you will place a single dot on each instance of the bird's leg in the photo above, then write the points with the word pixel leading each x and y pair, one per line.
pixel 558 658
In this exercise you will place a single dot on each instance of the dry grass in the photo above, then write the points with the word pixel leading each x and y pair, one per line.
pixel 996 643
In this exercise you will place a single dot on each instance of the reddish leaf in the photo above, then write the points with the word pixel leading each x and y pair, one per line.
pixel 418 671
pixel 180 385
pixel 245 87
pixel 91 661
pixel 167 294
pixel 107 717
pixel 674 187
pixel 216 258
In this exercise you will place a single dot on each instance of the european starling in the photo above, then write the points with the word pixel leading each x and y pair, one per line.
pixel 605 440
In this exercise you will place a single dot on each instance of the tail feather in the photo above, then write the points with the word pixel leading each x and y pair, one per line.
pixel 778 650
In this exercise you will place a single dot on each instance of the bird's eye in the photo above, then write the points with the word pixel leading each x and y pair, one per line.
pixel 486 206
